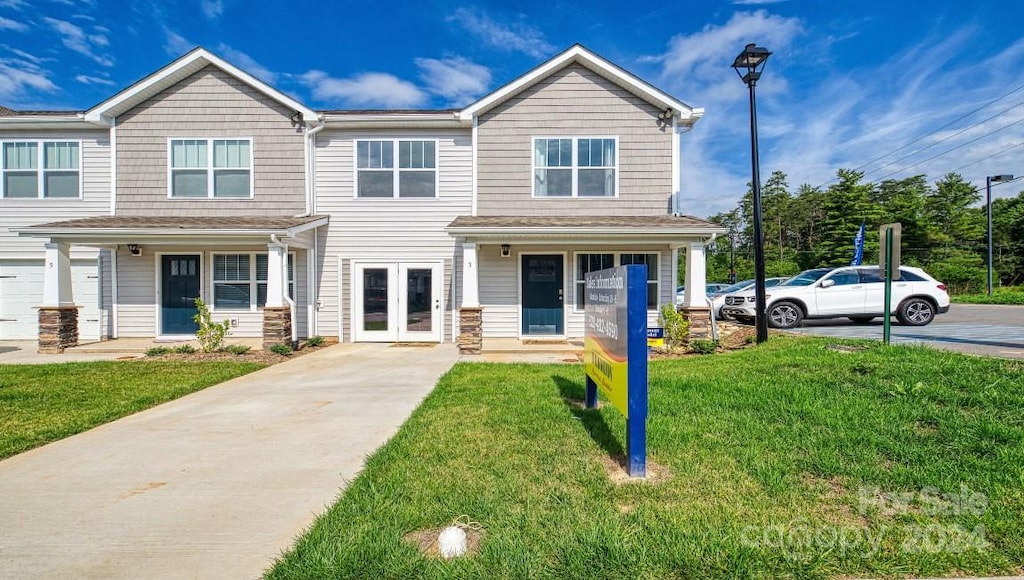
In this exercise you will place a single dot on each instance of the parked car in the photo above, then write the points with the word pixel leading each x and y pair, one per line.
pixel 857 293
pixel 718 299
pixel 709 289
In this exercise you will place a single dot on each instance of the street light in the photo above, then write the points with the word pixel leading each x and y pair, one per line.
pixel 988 206
pixel 752 61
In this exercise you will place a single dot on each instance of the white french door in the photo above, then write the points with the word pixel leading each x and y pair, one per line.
pixel 398 301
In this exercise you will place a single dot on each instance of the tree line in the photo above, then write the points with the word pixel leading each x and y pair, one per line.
pixel 944 229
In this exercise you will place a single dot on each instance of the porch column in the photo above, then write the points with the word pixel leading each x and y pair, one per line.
pixel 58 315
pixel 277 315
pixel 470 339
pixel 695 307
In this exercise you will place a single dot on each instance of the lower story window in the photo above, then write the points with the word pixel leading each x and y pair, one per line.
pixel 586 263
pixel 240 281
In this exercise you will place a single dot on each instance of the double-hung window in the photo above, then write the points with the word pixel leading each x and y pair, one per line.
pixel 240 281
pixel 205 168
pixel 41 169
pixel 382 173
pixel 592 262
pixel 575 167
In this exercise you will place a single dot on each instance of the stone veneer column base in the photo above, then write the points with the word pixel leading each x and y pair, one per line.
pixel 58 328
pixel 471 334
pixel 277 325
pixel 700 321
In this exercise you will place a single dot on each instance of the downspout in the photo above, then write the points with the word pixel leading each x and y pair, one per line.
pixel 310 170
pixel 287 298
pixel 113 292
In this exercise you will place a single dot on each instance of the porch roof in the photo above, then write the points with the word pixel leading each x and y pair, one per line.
pixel 114 229
pixel 640 228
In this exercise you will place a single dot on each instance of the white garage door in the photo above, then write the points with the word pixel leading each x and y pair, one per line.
pixel 21 290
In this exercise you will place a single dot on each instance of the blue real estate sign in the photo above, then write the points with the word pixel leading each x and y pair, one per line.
pixel 615 351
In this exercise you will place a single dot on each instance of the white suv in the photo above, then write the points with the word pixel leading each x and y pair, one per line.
pixel 857 293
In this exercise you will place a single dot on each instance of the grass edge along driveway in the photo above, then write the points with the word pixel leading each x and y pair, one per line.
pixel 43 403
pixel 784 460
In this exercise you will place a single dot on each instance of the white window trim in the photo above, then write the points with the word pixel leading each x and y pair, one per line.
pixel 616 262
pixel 575 168
pixel 40 170
pixel 395 170
pixel 210 169
pixel 252 281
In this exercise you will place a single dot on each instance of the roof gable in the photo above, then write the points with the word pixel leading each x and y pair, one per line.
pixel 578 54
pixel 189 64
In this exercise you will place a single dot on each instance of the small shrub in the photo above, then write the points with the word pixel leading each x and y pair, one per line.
pixel 677 328
pixel 315 341
pixel 237 349
pixel 703 346
pixel 184 349
pixel 283 349
pixel 210 334
pixel 157 351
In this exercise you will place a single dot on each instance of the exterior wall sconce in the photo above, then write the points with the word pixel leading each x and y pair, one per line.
pixel 506 250
pixel 135 249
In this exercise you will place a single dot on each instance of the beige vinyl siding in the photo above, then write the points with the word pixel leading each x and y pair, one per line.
pixel 138 277
pixel 95 176
pixel 210 104
pixel 500 291
pixel 573 102
pixel 387 230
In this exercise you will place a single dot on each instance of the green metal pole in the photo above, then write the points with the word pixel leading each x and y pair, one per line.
pixel 887 324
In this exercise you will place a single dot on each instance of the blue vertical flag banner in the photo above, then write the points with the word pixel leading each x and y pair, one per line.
pixel 858 247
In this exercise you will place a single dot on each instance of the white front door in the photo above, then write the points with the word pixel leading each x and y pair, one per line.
pixel 400 301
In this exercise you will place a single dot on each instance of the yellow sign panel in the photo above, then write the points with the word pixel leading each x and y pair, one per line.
pixel 611 373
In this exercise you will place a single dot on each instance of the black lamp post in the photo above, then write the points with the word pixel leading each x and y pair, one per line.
pixel 749 65
pixel 988 206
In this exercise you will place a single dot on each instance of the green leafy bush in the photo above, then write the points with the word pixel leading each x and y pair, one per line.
pixel 283 349
pixel 237 348
pixel 184 349
pixel 157 351
pixel 703 346
pixel 677 328
pixel 315 341
pixel 210 334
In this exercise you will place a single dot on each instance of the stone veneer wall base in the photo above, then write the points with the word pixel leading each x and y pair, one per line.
pixel 700 321
pixel 277 326
pixel 58 328
pixel 471 337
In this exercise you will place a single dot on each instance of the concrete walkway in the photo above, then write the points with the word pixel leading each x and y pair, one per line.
pixel 213 485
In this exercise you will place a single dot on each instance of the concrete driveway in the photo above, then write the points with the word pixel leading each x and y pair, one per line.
pixel 213 485
pixel 990 330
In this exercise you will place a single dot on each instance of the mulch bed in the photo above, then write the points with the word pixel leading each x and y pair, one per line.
pixel 256 355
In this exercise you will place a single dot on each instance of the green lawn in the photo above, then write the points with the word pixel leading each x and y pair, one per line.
pixel 1007 295
pixel 784 460
pixel 44 403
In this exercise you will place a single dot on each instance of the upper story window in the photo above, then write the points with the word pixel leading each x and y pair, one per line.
pixel 378 174
pixel 40 169
pixel 575 167
pixel 220 168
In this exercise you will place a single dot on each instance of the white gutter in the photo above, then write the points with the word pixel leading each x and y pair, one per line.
pixel 476 126
pixel 113 292
pixel 311 170
pixel 113 165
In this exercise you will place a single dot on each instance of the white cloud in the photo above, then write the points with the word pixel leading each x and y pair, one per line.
pixel 18 77
pixel 14 4
pixel 756 2
pixel 176 44
pixel 90 80
pixel 457 79
pixel 212 9
pixel 247 63
pixel 8 24
pixel 514 37
pixel 75 38
pixel 364 90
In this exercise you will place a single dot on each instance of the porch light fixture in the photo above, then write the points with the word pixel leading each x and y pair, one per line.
pixel 506 250
pixel 752 61
pixel 988 211
pixel 135 249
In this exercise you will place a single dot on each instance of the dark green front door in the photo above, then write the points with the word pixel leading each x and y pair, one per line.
pixel 543 293
pixel 179 288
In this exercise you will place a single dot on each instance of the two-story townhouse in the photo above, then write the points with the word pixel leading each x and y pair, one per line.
pixel 210 171
pixel 431 225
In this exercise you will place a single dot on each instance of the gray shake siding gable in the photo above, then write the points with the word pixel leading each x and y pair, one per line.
pixel 572 102
pixel 210 103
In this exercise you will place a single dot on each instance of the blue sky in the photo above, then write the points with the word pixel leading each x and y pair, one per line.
pixel 849 84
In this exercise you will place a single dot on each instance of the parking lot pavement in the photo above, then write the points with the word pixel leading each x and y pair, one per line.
pixel 981 329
